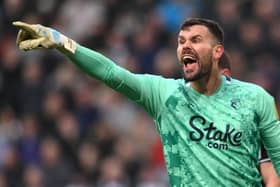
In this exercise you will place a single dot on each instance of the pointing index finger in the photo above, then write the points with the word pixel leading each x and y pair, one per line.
pixel 25 26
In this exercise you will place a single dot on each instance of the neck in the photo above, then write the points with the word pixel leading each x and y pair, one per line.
pixel 208 84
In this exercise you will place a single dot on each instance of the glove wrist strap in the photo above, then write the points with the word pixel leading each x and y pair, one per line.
pixel 67 45
pixel 70 45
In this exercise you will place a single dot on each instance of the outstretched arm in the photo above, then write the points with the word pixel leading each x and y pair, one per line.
pixel 142 89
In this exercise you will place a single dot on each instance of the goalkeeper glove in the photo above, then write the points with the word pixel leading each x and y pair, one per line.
pixel 34 36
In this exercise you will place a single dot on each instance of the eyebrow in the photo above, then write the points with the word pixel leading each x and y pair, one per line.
pixel 195 36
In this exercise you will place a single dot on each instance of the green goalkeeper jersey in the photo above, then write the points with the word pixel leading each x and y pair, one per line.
pixel 208 141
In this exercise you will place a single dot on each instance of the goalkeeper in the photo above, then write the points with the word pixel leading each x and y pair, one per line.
pixel 211 126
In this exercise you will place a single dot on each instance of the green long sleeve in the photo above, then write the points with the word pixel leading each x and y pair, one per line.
pixel 93 63
pixel 102 68
pixel 143 89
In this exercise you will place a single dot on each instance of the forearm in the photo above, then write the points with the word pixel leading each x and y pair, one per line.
pixel 272 144
pixel 102 68
pixel 270 178
pixel 273 183
pixel 93 63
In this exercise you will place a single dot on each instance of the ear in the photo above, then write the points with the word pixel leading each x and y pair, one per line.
pixel 226 72
pixel 218 51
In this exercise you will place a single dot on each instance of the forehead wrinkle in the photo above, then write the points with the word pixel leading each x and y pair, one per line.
pixel 200 30
pixel 196 31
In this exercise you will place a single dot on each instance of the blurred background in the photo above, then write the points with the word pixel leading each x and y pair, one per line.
pixel 60 128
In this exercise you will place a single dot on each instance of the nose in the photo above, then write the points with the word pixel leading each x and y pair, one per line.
pixel 187 45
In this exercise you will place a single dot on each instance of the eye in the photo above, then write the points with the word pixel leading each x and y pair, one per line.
pixel 196 39
pixel 181 40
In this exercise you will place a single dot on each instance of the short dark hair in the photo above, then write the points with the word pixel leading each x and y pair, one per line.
pixel 212 26
pixel 225 61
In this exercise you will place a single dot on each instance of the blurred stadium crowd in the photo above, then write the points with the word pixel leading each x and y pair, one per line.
pixel 60 128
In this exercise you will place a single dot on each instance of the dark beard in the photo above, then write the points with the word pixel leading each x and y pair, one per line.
pixel 203 71
pixel 198 76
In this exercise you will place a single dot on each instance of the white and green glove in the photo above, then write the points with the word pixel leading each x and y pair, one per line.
pixel 34 36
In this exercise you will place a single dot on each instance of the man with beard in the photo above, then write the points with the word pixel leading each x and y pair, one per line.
pixel 211 126
pixel 269 176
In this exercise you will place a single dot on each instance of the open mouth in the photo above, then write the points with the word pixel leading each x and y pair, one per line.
pixel 188 59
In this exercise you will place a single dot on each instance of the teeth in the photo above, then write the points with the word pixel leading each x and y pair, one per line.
pixel 188 57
